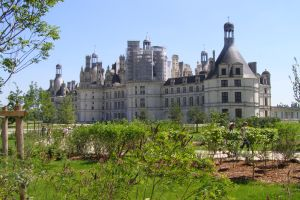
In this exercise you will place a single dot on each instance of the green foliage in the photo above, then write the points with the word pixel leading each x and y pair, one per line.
pixel 66 113
pixel 287 143
pixel 219 118
pixel 25 37
pixel 175 113
pixel 48 109
pixel 296 81
pixel 259 122
pixel 214 137
pixel 32 102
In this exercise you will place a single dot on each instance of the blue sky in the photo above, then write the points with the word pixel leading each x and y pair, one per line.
pixel 265 31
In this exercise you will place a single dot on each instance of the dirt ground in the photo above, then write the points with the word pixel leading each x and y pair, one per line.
pixel 269 172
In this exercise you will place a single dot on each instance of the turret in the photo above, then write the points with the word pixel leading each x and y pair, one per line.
pixel 228 33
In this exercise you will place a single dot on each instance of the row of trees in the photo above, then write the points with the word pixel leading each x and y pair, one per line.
pixel 37 102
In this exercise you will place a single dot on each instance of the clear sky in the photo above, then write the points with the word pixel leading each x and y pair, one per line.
pixel 267 32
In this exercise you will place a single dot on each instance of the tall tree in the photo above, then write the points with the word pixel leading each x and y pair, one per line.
pixel 175 113
pixel 32 102
pixel 48 109
pixel 296 80
pixel 196 116
pixel 66 113
pixel 24 37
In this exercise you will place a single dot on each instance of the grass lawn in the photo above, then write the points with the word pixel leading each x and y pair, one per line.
pixel 242 190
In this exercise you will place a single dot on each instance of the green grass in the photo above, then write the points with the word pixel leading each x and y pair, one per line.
pixel 240 190
pixel 257 190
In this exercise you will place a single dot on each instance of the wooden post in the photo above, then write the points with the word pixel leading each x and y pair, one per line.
pixel 5 134
pixel 19 133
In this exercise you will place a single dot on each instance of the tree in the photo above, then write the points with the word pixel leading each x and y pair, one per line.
pixel 66 114
pixel 196 116
pixel 48 109
pixel 24 37
pixel 296 81
pixel 175 113
pixel 32 102
pixel 15 97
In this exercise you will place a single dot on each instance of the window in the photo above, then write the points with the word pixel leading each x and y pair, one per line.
pixel 142 103
pixel 237 83
pixel 202 99
pixel 224 110
pixel 238 113
pixel 92 107
pixel 191 89
pixel 123 94
pixel 191 101
pixel 184 101
pixel 172 90
pixel 115 105
pixel 238 71
pixel 266 113
pixel 266 101
pixel 178 90
pixel 142 90
pixel 224 97
pixel 166 102
pixel 135 89
pixel 115 94
pixel 184 89
pixel 266 91
pixel 178 101
pixel 93 97
pixel 224 83
pixel 197 88
pixel 172 101
pixel 202 87
pixel 135 102
pixel 166 91
pixel 238 97
pixel 292 115
pixel 223 71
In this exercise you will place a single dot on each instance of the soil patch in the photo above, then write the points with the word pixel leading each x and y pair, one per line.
pixel 269 172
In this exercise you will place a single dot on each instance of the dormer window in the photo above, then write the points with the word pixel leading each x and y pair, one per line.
pixel 184 80
pixel 172 81
pixel 197 79
pixel 223 71
pixel 238 71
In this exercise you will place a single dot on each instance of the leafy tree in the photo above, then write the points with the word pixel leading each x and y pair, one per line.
pixel 32 102
pixel 175 113
pixel 220 118
pixel 66 113
pixel 196 116
pixel 296 81
pixel 15 97
pixel 48 109
pixel 24 37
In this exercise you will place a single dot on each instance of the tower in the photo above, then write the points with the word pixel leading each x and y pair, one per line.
pixel 228 33
pixel 146 44
pixel 204 56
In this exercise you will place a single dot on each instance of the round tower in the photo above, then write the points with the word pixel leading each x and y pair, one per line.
pixel 228 33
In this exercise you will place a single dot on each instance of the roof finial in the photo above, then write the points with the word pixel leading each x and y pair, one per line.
pixel 95 48
pixel 147 36
pixel 203 47
pixel 228 18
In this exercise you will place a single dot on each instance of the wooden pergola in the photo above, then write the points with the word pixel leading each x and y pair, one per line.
pixel 18 114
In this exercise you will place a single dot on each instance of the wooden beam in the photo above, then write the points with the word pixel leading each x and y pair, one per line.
pixel 15 113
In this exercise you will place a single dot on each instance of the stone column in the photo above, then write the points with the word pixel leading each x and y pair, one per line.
pixel 19 134
pixel 5 134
